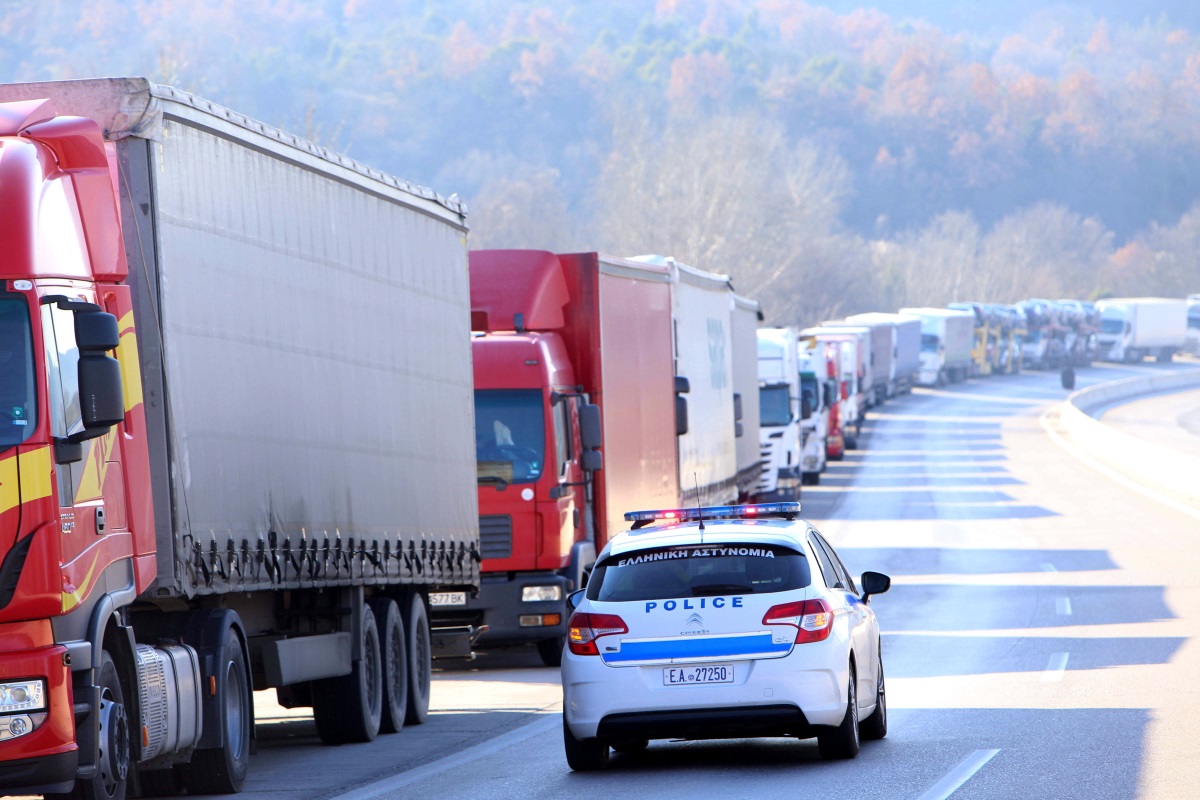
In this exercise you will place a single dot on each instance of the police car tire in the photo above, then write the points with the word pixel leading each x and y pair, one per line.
pixel 584 755
pixel 875 726
pixel 842 742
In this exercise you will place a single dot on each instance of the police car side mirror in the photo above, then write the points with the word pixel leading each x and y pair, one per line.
pixel 874 583
pixel 574 599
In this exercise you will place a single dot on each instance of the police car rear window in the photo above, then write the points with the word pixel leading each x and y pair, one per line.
pixel 698 571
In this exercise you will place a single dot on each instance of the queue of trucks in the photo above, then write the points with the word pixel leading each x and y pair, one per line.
pixel 241 379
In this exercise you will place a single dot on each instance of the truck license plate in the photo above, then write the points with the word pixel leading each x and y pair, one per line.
pixel 447 598
pixel 680 676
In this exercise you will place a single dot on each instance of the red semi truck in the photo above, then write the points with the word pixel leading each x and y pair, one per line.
pixel 575 421
pixel 235 453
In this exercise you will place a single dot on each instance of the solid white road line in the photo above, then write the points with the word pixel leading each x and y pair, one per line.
pixel 547 723
pixel 959 775
pixel 1055 667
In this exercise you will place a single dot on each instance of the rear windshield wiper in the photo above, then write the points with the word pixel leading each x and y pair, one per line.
pixel 709 589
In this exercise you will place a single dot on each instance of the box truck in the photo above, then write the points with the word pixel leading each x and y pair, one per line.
pixel 1132 328
pixel 235 445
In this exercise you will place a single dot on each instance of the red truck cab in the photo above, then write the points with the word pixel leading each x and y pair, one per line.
pixel 576 418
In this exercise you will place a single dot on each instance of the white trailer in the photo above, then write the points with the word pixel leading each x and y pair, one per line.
pixel 906 347
pixel 746 315
pixel 702 310
pixel 947 337
pixel 1132 328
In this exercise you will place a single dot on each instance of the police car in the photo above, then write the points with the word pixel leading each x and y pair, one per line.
pixel 721 622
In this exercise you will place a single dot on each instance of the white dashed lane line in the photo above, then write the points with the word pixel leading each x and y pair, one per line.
pixel 959 775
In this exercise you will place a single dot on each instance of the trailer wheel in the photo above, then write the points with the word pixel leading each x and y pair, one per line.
pixel 222 770
pixel 349 708
pixel 420 655
pixel 111 781
pixel 393 648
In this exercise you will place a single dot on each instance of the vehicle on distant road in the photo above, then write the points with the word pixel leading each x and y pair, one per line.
pixel 721 622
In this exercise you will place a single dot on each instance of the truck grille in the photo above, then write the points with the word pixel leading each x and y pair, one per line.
pixel 766 481
pixel 495 536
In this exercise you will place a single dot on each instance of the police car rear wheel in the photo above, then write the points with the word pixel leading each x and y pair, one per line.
pixel 584 755
pixel 875 726
pixel 842 741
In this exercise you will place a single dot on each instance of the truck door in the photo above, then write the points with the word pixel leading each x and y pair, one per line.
pixel 91 494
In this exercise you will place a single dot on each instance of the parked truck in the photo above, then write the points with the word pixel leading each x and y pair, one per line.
pixel 782 439
pixel 576 415
pixel 1132 328
pixel 817 392
pixel 906 347
pixel 946 341
pixel 746 315
pixel 235 443
pixel 880 356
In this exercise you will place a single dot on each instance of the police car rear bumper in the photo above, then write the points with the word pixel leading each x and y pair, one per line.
pixel 596 694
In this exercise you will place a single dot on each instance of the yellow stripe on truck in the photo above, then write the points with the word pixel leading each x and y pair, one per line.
pixel 34 483
pixel 131 370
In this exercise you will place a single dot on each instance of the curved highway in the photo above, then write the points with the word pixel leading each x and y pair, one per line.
pixel 1040 640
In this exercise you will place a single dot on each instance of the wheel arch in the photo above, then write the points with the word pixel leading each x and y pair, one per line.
pixel 205 632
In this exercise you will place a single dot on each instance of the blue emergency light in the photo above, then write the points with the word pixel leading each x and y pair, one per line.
pixel 785 510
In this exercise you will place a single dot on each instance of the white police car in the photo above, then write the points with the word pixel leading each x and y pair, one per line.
pixel 726 622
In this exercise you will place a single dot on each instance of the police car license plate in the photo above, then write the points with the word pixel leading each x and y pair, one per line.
pixel 447 598
pixel 709 673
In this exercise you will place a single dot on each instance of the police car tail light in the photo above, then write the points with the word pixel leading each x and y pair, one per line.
pixel 584 629
pixel 812 619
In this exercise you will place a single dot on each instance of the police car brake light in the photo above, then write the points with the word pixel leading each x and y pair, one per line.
pixel 584 629
pixel 812 619
pixel 788 510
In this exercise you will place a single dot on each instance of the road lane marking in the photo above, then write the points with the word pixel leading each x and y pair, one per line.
pixel 1063 606
pixel 547 723
pixel 1055 667
pixel 959 775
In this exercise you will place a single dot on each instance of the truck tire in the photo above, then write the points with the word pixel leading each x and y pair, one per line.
pixel 111 781
pixel 222 770
pixel 349 708
pixel 551 651
pixel 420 664
pixel 393 648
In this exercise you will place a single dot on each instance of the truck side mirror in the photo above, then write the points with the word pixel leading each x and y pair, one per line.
pixel 96 331
pixel 738 428
pixel 589 426
pixel 806 408
pixel 101 397
pixel 681 412
pixel 591 460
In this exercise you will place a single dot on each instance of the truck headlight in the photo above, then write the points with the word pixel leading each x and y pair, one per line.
pixel 22 696
pixel 540 594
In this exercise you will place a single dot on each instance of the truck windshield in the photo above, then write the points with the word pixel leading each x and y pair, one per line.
pixel 18 391
pixel 774 406
pixel 929 343
pixel 698 571
pixel 809 390
pixel 1112 325
pixel 510 435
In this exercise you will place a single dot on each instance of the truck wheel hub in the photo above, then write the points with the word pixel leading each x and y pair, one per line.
pixel 114 742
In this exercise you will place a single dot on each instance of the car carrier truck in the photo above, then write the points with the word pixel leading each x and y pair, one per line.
pixel 235 447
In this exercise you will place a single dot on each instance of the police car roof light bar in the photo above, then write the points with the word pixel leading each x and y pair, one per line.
pixel 779 510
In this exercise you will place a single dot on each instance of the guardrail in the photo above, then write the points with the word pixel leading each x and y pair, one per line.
pixel 1164 469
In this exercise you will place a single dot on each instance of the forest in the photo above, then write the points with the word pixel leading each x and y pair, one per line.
pixel 829 158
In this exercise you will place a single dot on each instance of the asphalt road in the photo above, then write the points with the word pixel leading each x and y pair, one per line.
pixel 1039 641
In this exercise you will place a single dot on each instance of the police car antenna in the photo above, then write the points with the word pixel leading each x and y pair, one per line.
pixel 699 508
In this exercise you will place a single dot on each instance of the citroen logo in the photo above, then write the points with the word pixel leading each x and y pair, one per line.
pixel 694 620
